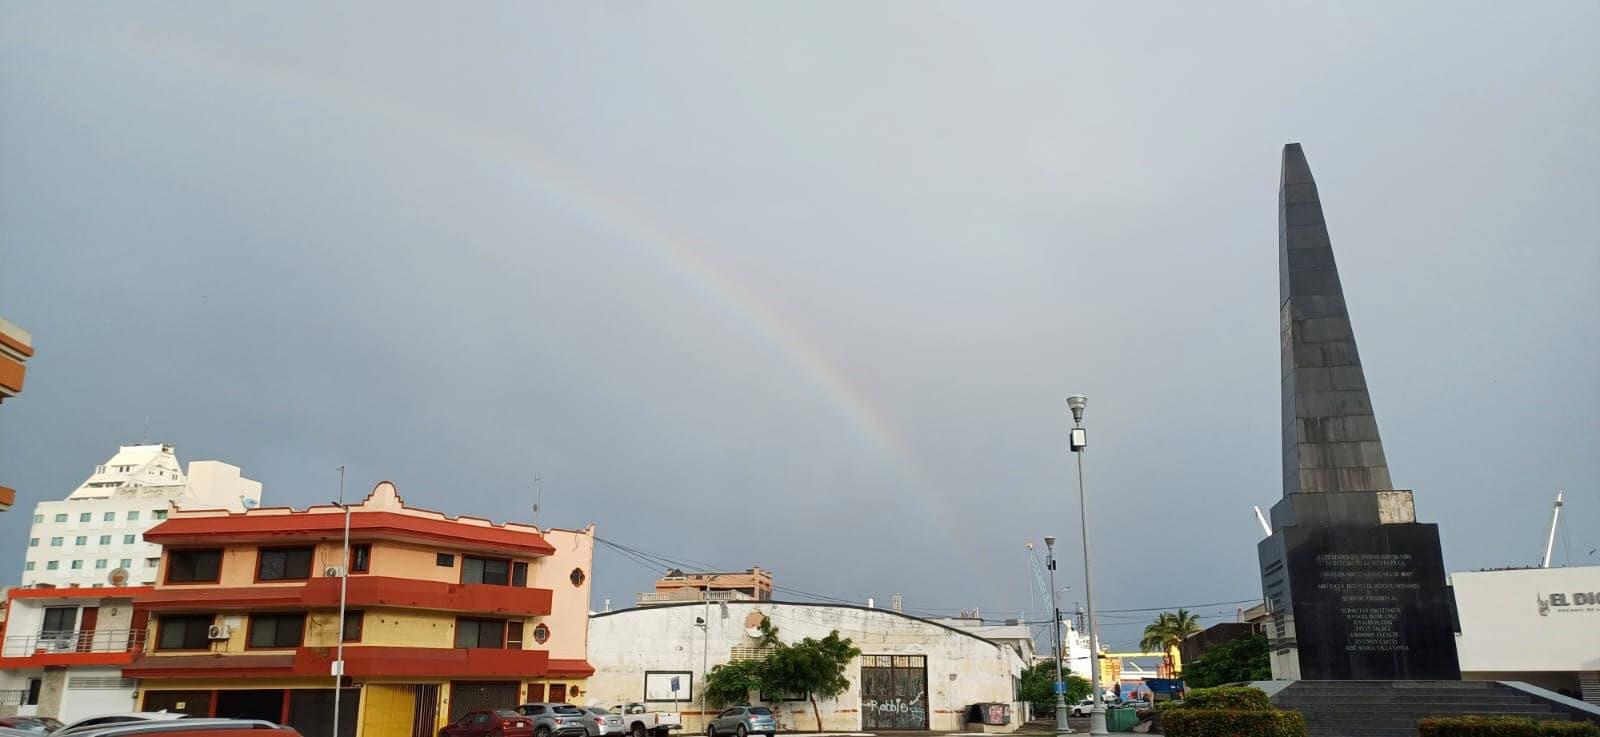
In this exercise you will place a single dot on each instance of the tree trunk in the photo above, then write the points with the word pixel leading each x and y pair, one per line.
pixel 816 710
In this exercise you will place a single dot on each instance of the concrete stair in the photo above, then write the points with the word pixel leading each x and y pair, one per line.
pixel 1393 708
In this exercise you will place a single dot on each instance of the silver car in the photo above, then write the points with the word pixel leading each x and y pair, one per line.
pixel 743 720
pixel 601 722
pixel 556 720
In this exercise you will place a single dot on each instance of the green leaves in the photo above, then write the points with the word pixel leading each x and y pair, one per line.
pixel 1039 687
pixel 1230 712
pixel 1484 726
pixel 811 666
pixel 1244 659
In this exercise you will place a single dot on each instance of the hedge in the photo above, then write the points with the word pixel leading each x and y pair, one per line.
pixel 1483 726
pixel 1188 722
pixel 1237 698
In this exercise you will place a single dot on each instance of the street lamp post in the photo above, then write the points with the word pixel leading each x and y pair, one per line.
pixel 1079 441
pixel 344 582
pixel 1061 683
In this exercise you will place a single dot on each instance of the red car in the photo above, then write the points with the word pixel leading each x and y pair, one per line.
pixel 497 723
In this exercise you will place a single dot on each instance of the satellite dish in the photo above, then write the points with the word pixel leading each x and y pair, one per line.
pixel 752 624
pixel 248 503
pixel 117 577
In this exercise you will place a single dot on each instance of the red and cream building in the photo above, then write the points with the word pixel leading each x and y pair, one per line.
pixel 443 615
pixel 16 347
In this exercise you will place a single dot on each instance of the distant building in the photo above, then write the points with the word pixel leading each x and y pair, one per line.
pixel 16 347
pixel 62 651
pixel 912 674
pixel 753 584
pixel 1251 621
pixel 444 615
pixel 95 537
pixel 1536 625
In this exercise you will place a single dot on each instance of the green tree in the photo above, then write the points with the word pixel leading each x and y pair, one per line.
pixel 812 667
pixel 1244 659
pixel 1169 629
pixel 1039 687
pixel 731 683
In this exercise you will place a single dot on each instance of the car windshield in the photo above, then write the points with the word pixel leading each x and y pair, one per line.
pixel 598 710
pixel 507 713
pixel 567 709
pixel 761 711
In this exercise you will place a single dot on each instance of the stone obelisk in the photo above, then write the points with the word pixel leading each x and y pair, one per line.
pixel 1355 586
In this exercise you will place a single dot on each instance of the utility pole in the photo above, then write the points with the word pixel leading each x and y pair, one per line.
pixel 344 582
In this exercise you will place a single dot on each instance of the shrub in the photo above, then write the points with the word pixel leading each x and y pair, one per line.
pixel 1190 722
pixel 1235 698
pixel 1477 726
pixel 1568 729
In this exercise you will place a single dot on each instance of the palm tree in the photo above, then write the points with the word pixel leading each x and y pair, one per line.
pixel 1167 632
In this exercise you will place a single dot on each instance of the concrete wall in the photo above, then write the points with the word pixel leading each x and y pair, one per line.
pixel 1532 620
pixel 569 604
pixel 624 645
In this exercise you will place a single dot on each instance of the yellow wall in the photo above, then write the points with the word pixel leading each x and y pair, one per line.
pixel 389 627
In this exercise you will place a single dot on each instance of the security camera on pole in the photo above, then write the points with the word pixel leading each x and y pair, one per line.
pixel 1079 440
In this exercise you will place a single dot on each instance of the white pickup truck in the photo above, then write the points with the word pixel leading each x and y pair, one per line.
pixel 641 722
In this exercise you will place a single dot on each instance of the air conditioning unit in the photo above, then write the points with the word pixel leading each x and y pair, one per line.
pixel 219 632
pixel 333 571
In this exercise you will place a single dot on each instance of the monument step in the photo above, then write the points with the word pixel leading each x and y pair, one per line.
pixel 1377 699
pixel 1410 720
pixel 1427 708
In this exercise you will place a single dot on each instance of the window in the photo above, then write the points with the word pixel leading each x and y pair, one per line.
pixel 125 563
pixel 541 633
pixel 133 516
pixel 52 565
pixel 576 577
pixel 55 542
pixel 152 562
pixel 109 517
pixel 61 518
pixel 105 539
pixel 159 514
pixel 283 564
pixel 495 571
pixel 86 516
pixel 480 633
pixel 38 518
pixel 277 630
pixel 27 566
pixel 184 632
pixel 519 574
pixel 128 539
pixel 34 686
pixel 360 558
pixel 59 619
pixel 352 626
pixel 81 540
pixel 100 565
pixel 514 634
pixel 33 542
pixel 194 566
pixel 444 560
pixel 77 565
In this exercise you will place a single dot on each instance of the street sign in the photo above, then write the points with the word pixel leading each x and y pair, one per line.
pixel 1061 688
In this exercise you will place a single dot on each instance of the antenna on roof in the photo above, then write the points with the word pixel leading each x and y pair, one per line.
pixel 1550 543
pixel 538 498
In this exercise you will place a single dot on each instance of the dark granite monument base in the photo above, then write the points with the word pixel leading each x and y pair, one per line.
pixel 1359 602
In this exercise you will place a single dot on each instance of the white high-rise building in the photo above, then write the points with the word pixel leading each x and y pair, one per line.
pixel 95 537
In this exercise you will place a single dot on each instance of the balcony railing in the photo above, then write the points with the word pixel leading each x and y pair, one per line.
pixel 57 642
pixel 687 594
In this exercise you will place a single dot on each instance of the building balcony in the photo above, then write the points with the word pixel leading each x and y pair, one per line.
pixel 679 596
pixel 360 661
pixel 71 647
pixel 363 591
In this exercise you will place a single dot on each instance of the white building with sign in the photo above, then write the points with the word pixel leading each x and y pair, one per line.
pixel 95 537
pixel 1538 625
pixel 912 673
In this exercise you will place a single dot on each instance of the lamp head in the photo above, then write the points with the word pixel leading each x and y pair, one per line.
pixel 1050 541
pixel 1076 402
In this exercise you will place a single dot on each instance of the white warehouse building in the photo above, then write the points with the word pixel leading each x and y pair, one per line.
pixel 912 674
pixel 98 530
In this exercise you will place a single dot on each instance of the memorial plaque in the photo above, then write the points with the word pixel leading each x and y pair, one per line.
pixel 1354 586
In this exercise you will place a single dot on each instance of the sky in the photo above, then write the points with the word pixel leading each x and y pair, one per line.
pixel 805 285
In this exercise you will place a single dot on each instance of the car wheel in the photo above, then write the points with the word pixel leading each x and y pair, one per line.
pixel 743 732
pixel 711 730
pixel 542 732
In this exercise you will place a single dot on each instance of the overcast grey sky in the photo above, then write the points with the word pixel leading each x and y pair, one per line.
pixel 804 285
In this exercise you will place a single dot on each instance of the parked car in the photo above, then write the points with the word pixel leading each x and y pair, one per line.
pixel 640 721
pixel 1082 708
pixel 87 723
pixel 1137 703
pixel 489 723
pixel 601 722
pixel 31 724
pixel 552 720
pixel 743 720
pixel 189 727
